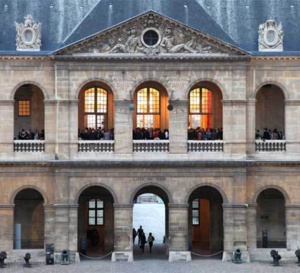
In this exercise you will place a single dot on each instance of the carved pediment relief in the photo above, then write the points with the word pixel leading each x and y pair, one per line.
pixel 151 34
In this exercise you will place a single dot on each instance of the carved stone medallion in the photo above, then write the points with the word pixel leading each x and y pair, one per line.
pixel 28 35
pixel 270 36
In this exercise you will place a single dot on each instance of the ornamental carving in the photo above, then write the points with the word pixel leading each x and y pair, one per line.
pixel 28 35
pixel 270 36
pixel 151 35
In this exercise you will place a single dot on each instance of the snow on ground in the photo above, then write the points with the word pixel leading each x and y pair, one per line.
pixel 152 217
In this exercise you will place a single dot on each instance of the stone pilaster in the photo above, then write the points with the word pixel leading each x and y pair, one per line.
pixel 178 127
pixel 292 217
pixel 123 127
pixel 178 233
pixel 61 227
pixel 73 106
pixel 234 127
pixel 6 128
pixel 235 230
pixel 251 103
pixel 49 231
pixel 73 227
pixel 7 226
pixel 123 250
pixel 292 126
pixel 251 226
pixel 50 126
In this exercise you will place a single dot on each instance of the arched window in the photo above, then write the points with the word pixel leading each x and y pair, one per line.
pixel 148 108
pixel 95 108
pixel 200 108
pixel 96 212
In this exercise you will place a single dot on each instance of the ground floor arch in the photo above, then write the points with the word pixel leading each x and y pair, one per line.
pixel 205 222
pixel 270 219
pixel 29 220
pixel 95 221
pixel 150 215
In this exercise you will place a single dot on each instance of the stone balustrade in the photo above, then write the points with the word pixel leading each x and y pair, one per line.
pixel 26 146
pixel 205 146
pixel 270 145
pixel 150 146
pixel 102 146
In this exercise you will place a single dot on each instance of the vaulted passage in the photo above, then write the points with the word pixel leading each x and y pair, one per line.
pixel 29 220
pixel 205 221
pixel 95 222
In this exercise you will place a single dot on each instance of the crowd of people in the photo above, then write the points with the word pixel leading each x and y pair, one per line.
pixel 30 135
pixel 96 134
pixel 269 134
pixel 150 133
pixel 142 238
pixel 205 134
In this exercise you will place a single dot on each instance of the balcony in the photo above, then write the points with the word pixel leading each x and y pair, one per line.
pixel 270 145
pixel 152 146
pixel 29 146
pixel 97 146
pixel 209 146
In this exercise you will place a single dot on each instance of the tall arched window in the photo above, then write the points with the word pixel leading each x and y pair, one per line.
pixel 148 108
pixel 200 108
pixel 95 108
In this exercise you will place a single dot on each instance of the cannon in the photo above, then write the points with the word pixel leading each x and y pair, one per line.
pixel 276 257
pixel 3 256
pixel 26 258
pixel 237 256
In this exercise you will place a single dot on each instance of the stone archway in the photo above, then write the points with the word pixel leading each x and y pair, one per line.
pixel 206 221
pixel 95 221
pixel 270 219
pixel 29 220
pixel 151 211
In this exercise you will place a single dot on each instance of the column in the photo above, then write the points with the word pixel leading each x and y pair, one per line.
pixel 123 250
pixel 178 127
pixel 235 231
pixel 7 128
pixel 7 227
pixel 234 126
pixel 292 219
pixel 178 233
pixel 123 127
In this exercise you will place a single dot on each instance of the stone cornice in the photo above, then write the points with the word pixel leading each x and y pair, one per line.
pixel 235 206
pixel 66 206
pixel 123 164
pixel 178 206
pixel 6 206
pixel 230 102
pixel 292 102
pixel 123 206
pixel 7 102
pixel 139 58
pixel 60 101
pixel 292 207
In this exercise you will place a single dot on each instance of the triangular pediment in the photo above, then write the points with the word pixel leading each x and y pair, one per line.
pixel 150 34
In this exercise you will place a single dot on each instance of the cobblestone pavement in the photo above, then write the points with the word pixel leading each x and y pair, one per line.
pixel 156 266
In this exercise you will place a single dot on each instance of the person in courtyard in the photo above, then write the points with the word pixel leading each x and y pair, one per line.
pixel 134 233
pixel 140 231
pixel 150 241
pixel 143 242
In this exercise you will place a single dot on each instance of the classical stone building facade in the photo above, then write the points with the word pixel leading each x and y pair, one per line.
pixel 208 75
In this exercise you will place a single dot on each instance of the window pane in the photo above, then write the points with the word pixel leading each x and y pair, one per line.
pixel 153 101
pixel 195 213
pixel 92 204
pixel 92 213
pixel 101 100
pixel 206 101
pixel 24 108
pixel 142 101
pixel 89 100
pixel 92 221
pixel 100 121
pixel 195 221
pixel 195 101
pixel 195 204
pixel 99 203
pixel 90 121
pixel 99 221
pixel 100 213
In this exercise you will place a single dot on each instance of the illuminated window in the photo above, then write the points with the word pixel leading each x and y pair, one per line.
pixel 96 212
pixel 148 108
pixel 195 212
pixel 95 107
pixel 24 108
pixel 200 108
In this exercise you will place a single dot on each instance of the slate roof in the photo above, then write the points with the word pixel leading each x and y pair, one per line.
pixel 233 21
